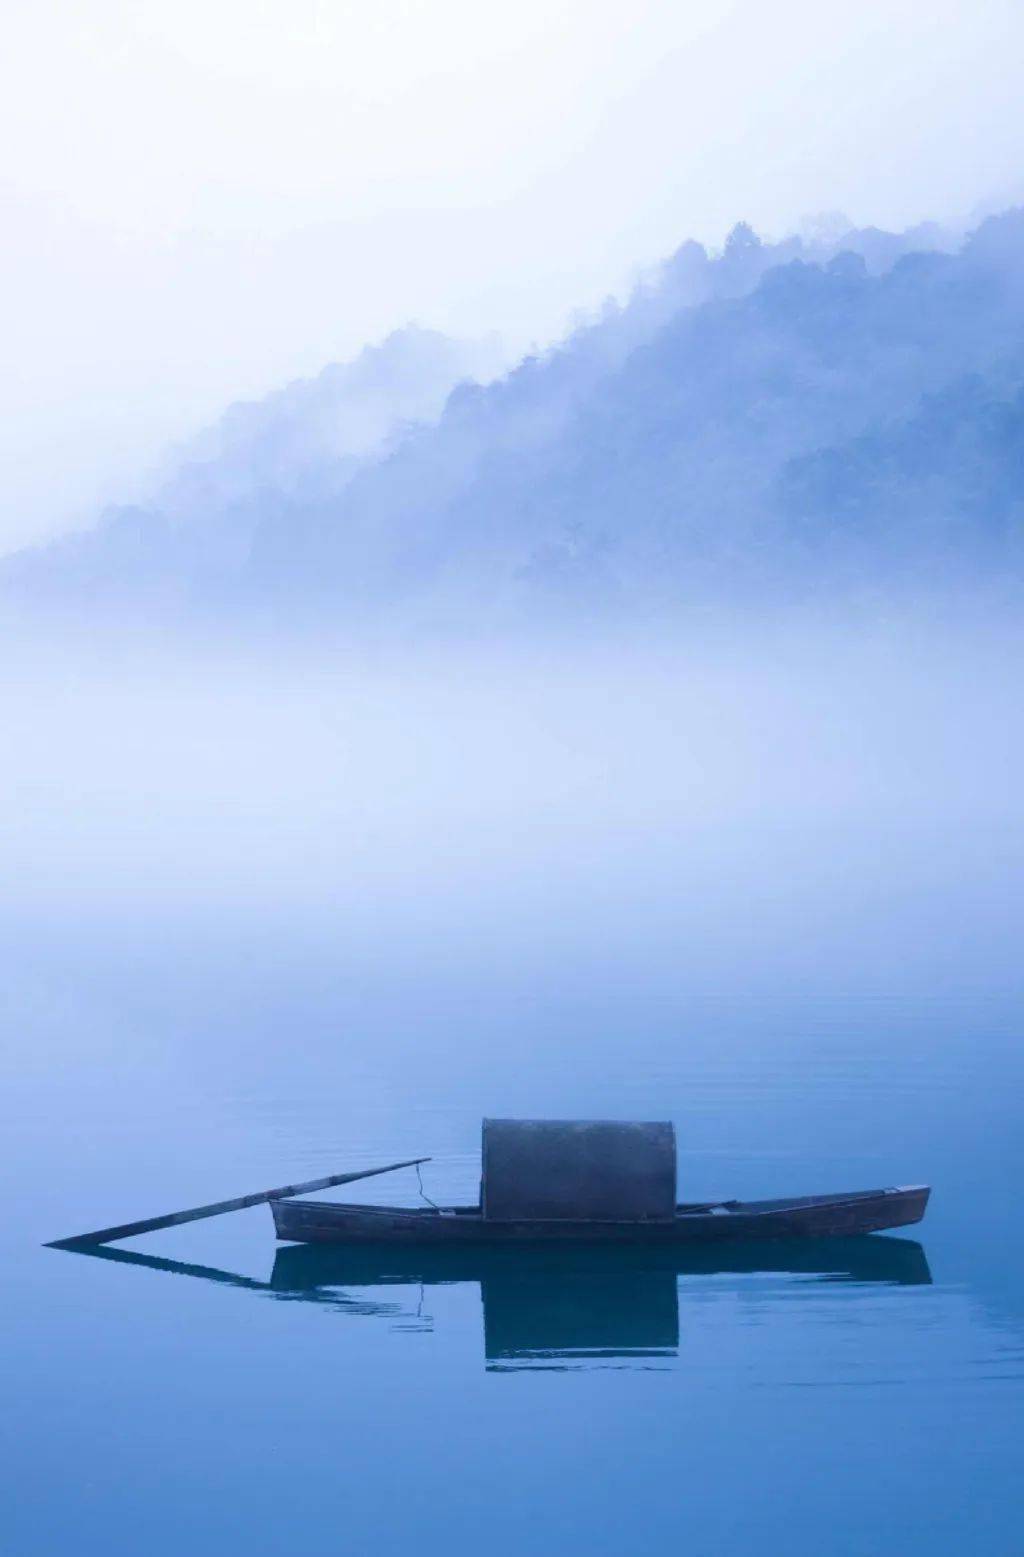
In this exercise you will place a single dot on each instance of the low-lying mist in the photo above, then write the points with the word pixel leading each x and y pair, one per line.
pixel 794 803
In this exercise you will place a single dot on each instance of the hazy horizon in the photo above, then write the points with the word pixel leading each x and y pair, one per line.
pixel 203 205
pixel 511 582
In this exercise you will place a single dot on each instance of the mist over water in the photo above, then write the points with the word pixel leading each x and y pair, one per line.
pixel 832 802
pixel 371 787
pixel 276 908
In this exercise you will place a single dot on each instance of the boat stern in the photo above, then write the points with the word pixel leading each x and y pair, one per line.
pixel 902 1205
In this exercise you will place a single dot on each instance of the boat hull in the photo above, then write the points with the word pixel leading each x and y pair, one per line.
pixel 809 1216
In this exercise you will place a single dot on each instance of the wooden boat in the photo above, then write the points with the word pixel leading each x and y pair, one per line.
pixel 845 1214
pixel 592 1181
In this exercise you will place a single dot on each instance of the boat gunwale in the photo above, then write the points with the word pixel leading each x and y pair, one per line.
pixel 685 1211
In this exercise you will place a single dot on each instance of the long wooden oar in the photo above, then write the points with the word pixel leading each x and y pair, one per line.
pixel 218 1207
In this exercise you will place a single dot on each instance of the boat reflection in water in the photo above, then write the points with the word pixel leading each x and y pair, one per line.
pixel 550 1307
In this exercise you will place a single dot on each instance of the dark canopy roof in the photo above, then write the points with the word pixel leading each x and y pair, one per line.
pixel 578 1169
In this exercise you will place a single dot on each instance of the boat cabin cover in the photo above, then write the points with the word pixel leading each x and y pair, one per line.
pixel 578 1170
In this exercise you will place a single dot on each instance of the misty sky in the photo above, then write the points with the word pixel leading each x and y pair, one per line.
pixel 207 197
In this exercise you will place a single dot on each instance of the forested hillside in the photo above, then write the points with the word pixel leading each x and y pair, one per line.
pixel 793 413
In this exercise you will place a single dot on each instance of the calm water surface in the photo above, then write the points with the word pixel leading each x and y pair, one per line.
pixel 221 1394
pixel 262 927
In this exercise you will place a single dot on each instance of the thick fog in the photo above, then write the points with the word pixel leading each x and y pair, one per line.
pixel 803 805
pixel 686 649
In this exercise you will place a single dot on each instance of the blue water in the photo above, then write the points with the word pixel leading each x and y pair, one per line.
pixel 266 924
pixel 169 1408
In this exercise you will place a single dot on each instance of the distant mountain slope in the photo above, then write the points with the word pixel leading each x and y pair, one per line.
pixel 735 422
pixel 949 478
pixel 668 468
pixel 300 444
pixel 319 429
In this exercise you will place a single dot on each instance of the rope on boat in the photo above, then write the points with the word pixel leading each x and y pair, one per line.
pixel 423 1193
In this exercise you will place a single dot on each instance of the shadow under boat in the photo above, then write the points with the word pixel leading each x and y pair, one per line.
pixel 554 1306
pixel 557 1305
